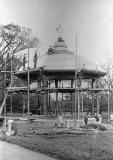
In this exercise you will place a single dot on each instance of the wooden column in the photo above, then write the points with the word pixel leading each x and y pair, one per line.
pixel 49 99
pixel 72 96
pixel 62 93
pixel 45 100
pixel 92 85
pixel 59 83
pixel 45 103
pixel 56 86
pixel 62 98
pixel 98 103
pixel 79 87
pixel 98 95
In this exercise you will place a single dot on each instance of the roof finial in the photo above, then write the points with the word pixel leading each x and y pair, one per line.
pixel 59 30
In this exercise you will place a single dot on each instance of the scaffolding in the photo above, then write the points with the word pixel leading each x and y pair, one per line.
pixel 45 87
pixel 10 88
pixel 56 90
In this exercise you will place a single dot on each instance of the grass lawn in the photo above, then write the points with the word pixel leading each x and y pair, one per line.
pixel 68 146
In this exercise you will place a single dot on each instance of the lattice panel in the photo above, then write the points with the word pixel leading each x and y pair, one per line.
pixel 66 84
pixel 84 84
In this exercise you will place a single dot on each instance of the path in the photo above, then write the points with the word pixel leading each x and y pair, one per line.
pixel 13 152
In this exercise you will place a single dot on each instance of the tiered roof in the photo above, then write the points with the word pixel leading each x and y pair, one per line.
pixel 59 63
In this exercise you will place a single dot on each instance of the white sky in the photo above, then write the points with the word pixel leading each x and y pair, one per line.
pixel 91 19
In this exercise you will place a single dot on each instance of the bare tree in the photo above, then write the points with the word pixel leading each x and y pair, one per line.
pixel 106 83
pixel 13 39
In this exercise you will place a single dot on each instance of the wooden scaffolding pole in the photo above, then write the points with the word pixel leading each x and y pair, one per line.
pixel 108 94
pixel 28 89
pixel 98 98
pixel 11 82
pixel 78 105
pixel 5 89
pixel 76 76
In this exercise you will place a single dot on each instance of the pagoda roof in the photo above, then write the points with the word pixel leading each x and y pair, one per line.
pixel 59 61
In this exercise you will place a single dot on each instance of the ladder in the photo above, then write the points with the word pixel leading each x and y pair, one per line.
pixel 81 103
pixel 80 96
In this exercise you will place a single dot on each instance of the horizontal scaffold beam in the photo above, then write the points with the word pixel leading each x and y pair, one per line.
pixel 64 90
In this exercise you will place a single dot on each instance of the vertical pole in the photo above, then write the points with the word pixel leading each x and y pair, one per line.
pixel 56 86
pixel 28 86
pixel 88 104
pixel 82 102
pixel 11 80
pixel 5 95
pixel 45 103
pixel 79 95
pixel 47 100
pixel 108 94
pixel 63 110
pixel 78 105
pixel 5 90
pixel 50 109
pixel 71 98
pixel 76 76
pixel 45 92
pixel 11 103
pixel 98 104
pixel 11 68
pixel 98 96
pixel 92 95
pixel 62 92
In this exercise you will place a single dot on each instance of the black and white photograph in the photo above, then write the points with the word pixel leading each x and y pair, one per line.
pixel 56 79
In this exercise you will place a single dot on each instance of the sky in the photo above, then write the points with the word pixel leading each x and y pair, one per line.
pixel 92 20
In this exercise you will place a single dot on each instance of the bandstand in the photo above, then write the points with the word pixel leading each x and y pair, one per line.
pixel 56 76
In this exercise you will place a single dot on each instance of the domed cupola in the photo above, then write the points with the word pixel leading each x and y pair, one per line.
pixel 60 45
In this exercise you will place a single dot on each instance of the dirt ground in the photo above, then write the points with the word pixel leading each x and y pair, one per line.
pixel 65 146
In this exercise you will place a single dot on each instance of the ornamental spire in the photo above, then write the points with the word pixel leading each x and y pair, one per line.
pixel 59 30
